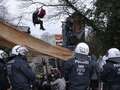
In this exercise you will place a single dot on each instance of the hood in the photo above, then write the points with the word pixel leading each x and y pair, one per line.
pixel 114 60
pixel 81 57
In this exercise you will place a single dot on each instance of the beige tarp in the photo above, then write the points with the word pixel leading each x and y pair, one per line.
pixel 9 36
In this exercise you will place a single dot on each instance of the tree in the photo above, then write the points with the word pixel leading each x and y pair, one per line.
pixel 107 15
pixel 67 7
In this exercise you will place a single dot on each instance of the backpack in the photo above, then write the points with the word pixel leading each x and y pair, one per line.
pixel 41 12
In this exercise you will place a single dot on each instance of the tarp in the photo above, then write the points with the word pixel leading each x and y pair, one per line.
pixel 12 36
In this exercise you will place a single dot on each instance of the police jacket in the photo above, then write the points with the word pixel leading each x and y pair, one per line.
pixel 111 73
pixel 20 73
pixel 78 72
pixel 4 84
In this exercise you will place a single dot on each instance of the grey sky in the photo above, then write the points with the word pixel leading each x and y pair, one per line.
pixel 52 26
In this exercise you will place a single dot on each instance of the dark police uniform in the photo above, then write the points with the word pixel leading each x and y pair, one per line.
pixel 111 74
pixel 4 83
pixel 78 72
pixel 20 73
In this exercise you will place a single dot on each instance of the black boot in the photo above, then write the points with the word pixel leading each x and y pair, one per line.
pixel 41 26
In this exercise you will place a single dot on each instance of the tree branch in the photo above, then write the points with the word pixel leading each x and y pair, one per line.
pixel 52 5
pixel 88 21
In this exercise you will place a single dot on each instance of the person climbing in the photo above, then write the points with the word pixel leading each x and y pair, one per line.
pixel 37 15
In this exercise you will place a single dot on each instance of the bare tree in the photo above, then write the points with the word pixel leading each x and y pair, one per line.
pixel 63 7
pixel 67 7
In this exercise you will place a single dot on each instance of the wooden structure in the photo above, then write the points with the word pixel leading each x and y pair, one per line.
pixel 10 36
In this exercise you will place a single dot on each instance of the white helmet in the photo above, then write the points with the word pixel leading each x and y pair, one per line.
pixel 113 52
pixel 82 48
pixel 19 50
pixel 3 54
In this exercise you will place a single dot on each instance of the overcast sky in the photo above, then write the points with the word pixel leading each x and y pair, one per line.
pixel 51 26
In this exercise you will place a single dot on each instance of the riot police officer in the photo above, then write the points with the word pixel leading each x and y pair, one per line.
pixel 79 69
pixel 4 83
pixel 111 70
pixel 20 73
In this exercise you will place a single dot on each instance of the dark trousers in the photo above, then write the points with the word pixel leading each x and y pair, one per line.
pixel 38 21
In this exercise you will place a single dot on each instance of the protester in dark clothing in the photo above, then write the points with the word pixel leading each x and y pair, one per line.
pixel 20 73
pixel 36 17
pixel 4 83
pixel 94 82
pixel 111 71
pixel 79 69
